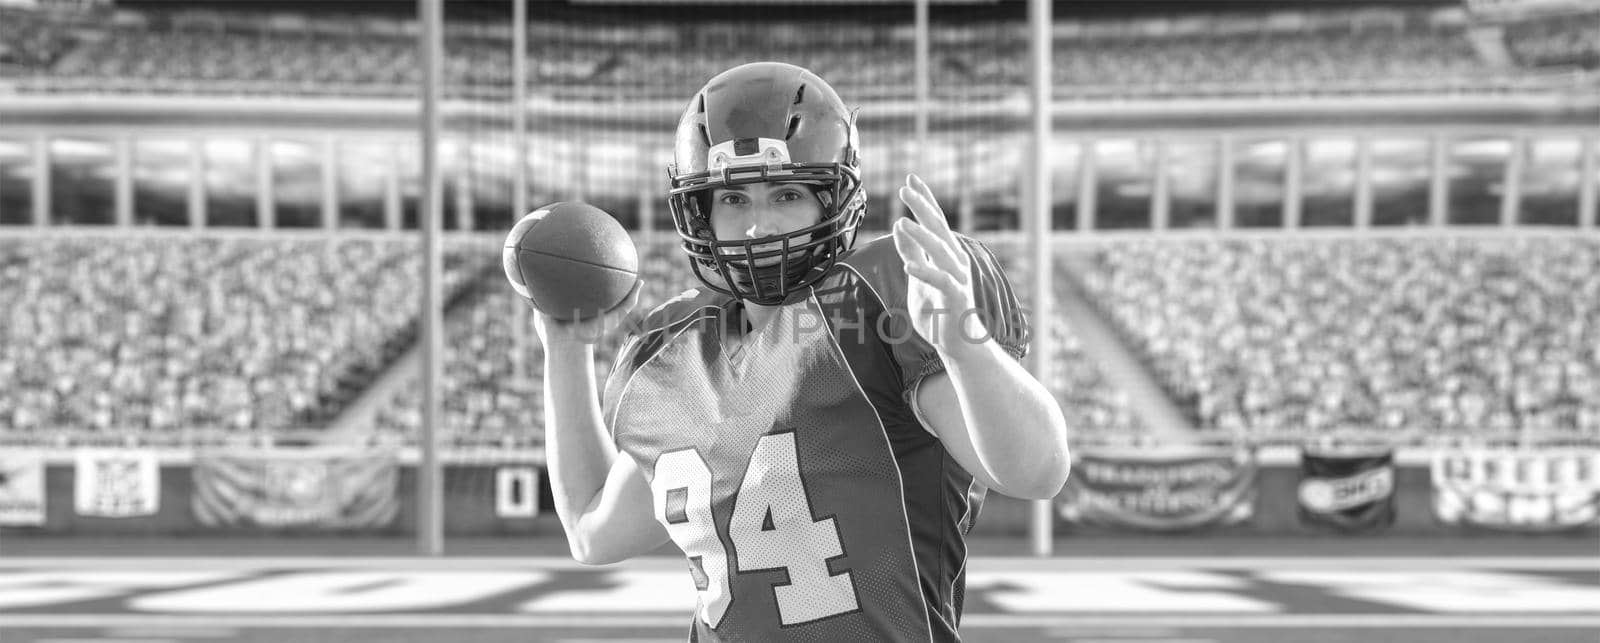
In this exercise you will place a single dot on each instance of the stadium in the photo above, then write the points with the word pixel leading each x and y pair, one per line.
pixel 1315 286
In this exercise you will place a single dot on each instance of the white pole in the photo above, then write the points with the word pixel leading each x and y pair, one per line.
pixel 519 107
pixel 1039 237
pixel 430 497
pixel 1589 149
pixel 124 193
pixel 266 203
pixel 923 82
pixel 197 183
pixel 1511 194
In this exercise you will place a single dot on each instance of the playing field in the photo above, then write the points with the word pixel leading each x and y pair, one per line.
pixel 1128 600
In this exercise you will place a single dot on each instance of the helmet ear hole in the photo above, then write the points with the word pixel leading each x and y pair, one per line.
pixel 794 124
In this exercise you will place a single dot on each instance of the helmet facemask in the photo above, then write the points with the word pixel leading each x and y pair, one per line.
pixel 729 266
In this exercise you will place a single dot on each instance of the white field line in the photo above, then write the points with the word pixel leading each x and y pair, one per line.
pixel 519 621
pixel 986 564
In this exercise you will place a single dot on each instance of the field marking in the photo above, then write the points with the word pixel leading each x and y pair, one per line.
pixel 511 621
pixel 172 632
pixel 1139 640
pixel 987 564
pixel 104 640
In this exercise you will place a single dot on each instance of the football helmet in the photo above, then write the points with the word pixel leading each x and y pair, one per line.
pixel 759 122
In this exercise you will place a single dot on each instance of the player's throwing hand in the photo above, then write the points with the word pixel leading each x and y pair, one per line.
pixel 939 292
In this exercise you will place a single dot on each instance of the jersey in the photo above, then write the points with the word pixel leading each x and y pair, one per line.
pixel 794 471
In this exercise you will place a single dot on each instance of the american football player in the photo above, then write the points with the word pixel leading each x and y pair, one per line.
pixel 816 424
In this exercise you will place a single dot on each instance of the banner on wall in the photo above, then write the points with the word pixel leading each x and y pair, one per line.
pixel 331 489
pixel 1350 491
pixel 116 483
pixel 1161 489
pixel 1527 490
pixel 516 492
pixel 21 489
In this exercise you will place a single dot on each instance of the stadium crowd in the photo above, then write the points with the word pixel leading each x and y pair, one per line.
pixel 1403 55
pixel 29 42
pixel 493 372
pixel 493 390
pixel 1557 40
pixel 1413 337
pixel 167 339
pixel 160 338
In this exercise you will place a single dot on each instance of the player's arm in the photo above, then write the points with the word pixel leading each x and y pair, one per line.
pixel 994 418
pixel 602 499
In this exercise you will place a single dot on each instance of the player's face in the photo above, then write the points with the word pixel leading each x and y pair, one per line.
pixel 759 210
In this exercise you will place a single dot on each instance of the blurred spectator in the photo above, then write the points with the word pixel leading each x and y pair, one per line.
pixel 237 56
pixel 143 337
pixel 1290 338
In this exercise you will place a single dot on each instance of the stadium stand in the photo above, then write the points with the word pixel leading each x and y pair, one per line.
pixel 493 393
pixel 1557 40
pixel 164 54
pixel 30 42
pixel 177 339
pixel 1418 337
pixel 493 390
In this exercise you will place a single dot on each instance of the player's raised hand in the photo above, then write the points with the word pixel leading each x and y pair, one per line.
pixel 939 288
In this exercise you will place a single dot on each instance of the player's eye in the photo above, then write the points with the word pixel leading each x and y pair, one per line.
pixel 731 198
pixel 790 195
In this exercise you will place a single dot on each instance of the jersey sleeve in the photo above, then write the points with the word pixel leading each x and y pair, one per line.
pixel 645 335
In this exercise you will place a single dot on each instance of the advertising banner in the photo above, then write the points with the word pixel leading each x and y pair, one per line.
pixel 313 488
pixel 1518 489
pixel 116 483
pixel 1345 490
pixel 1161 489
pixel 21 489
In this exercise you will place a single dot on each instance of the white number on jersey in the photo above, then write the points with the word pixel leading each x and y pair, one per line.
pixel 771 528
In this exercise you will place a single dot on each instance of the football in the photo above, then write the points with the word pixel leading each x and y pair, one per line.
pixel 570 260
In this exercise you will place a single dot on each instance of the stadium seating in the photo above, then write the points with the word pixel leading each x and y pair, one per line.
pixel 1557 40
pixel 157 339
pixel 30 42
pixel 1416 337
pixel 162 57
pixel 493 392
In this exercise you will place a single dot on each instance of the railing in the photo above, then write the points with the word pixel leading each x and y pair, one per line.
pixel 1449 85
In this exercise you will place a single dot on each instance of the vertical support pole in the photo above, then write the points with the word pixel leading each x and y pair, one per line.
pixel 1511 196
pixel 1586 183
pixel 1161 190
pixel 266 201
pixel 1086 181
pixel 198 218
pixel 924 84
pixel 1363 213
pixel 391 189
pixel 519 108
pixel 41 180
pixel 430 488
pixel 1293 181
pixel 1226 176
pixel 966 206
pixel 330 183
pixel 1438 183
pixel 124 186
pixel 1041 527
